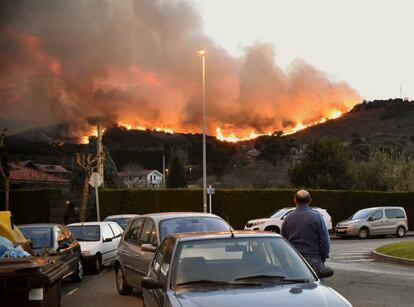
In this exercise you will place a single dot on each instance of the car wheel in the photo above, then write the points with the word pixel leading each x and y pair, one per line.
pixel 121 285
pixel 273 229
pixel 78 275
pixel 400 232
pixel 363 233
pixel 98 264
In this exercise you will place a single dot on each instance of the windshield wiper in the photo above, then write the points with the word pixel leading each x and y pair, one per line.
pixel 215 283
pixel 273 277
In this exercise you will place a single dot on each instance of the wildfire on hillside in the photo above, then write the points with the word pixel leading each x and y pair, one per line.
pixel 138 67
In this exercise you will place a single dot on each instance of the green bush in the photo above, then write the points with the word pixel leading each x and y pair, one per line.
pixel 238 206
pixel 31 206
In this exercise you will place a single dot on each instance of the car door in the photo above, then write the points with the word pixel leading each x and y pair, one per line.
pixel 117 230
pixel 391 221
pixel 129 253
pixel 148 236
pixel 108 244
pixel 159 269
pixel 64 250
pixel 377 222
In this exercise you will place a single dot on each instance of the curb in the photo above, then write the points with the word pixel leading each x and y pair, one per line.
pixel 333 236
pixel 392 259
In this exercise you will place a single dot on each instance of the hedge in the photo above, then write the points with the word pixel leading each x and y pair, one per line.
pixel 31 206
pixel 238 206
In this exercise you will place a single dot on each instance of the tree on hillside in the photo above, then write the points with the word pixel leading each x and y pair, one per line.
pixel 176 172
pixel 275 147
pixel 325 164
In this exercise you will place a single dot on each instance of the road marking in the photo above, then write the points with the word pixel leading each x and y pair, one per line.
pixel 357 260
pixel 73 291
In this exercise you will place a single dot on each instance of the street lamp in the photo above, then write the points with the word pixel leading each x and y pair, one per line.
pixel 203 53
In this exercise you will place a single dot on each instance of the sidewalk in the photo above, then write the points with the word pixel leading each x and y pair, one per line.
pixel 335 237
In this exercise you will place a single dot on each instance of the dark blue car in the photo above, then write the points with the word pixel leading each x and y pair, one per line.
pixel 234 269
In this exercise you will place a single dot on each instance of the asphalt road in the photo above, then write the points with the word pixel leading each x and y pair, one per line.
pixel 363 281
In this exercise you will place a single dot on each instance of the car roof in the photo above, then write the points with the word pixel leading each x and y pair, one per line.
pixel 121 216
pixel 383 207
pixel 39 225
pixel 190 236
pixel 91 223
pixel 170 215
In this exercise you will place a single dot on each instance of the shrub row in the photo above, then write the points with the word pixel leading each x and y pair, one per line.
pixel 32 206
pixel 238 206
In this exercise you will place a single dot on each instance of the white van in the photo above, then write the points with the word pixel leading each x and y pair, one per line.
pixel 273 222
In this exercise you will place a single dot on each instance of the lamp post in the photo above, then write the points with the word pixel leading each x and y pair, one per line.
pixel 203 54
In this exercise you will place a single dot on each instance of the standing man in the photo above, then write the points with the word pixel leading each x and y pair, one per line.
pixel 306 230
pixel 71 214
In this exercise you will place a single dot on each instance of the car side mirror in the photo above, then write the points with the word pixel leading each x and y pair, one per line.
pixel 63 245
pixel 148 282
pixel 148 247
pixel 372 218
pixel 107 240
pixel 326 272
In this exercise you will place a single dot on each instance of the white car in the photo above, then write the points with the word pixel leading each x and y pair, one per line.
pixel 274 221
pixel 121 219
pixel 99 242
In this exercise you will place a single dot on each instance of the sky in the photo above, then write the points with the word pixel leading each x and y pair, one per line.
pixel 367 43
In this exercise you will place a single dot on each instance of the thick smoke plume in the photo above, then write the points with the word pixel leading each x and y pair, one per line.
pixel 135 62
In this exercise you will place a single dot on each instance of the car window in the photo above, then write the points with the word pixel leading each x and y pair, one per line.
pixel 378 214
pixel 41 237
pixel 148 235
pixel 191 224
pixel 134 232
pixel 116 229
pixel 86 232
pixel 390 213
pixel 399 214
pixel 162 259
pixel 361 214
pixel 107 232
pixel 121 221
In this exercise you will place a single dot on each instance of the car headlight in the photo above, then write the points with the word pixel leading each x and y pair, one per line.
pixel 86 253
pixel 258 223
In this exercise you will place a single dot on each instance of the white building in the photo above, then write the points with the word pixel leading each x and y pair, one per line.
pixel 142 179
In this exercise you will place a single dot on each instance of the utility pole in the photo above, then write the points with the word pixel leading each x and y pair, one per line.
pixel 163 171
pixel 99 150
pixel 203 54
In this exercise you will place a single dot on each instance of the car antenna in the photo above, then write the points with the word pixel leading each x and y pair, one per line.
pixel 231 230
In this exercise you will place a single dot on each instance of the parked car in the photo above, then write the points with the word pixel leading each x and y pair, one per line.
pixel 239 268
pixel 374 221
pixel 56 240
pixel 98 241
pixel 121 219
pixel 273 222
pixel 144 233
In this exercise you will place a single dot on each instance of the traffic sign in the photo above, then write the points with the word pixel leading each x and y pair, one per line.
pixel 211 191
pixel 96 180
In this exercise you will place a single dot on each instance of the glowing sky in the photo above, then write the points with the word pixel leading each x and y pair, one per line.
pixel 368 43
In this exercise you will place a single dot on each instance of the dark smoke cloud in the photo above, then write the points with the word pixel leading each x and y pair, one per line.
pixel 135 62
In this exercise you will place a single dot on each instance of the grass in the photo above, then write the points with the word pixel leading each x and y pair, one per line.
pixel 402 249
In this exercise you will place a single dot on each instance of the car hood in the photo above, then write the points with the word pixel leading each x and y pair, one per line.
pixel 310 294
pixel 258 220
pixel 91 246
pixel 347 222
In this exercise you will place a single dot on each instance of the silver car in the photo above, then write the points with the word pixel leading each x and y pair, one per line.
pixel 375 221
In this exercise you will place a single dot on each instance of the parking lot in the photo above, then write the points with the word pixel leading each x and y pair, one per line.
pixel 361 279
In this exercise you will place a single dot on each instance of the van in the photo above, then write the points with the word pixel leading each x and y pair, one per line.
pixel 374 221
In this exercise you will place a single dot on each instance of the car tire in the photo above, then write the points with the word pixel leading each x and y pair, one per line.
pixel 121 285
pixel 400 232
pixel 98 264
pixel 273 229
pixel 363 233
pixel 78 275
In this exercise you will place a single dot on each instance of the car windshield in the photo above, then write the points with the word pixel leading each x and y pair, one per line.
pixel 238 260
pixel 41 237
pixel 121 221
pixel 86 232
pixel 191 224
pixel 277 213
pixel 361 214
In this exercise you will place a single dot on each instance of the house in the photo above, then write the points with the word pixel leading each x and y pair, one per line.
pixel 53 169
pixel 142 179
pixel 24 176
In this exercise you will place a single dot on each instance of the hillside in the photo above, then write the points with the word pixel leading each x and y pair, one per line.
pixel 373 122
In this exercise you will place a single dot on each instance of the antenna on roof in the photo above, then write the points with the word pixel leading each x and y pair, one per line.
pixel 230 228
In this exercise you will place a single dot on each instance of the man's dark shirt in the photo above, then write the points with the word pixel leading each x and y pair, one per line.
pixel 306 230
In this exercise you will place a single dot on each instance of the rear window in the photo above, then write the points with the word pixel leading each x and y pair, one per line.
pixel 86 232
pixel 191 224
pixel 394 214
pixel 41 237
